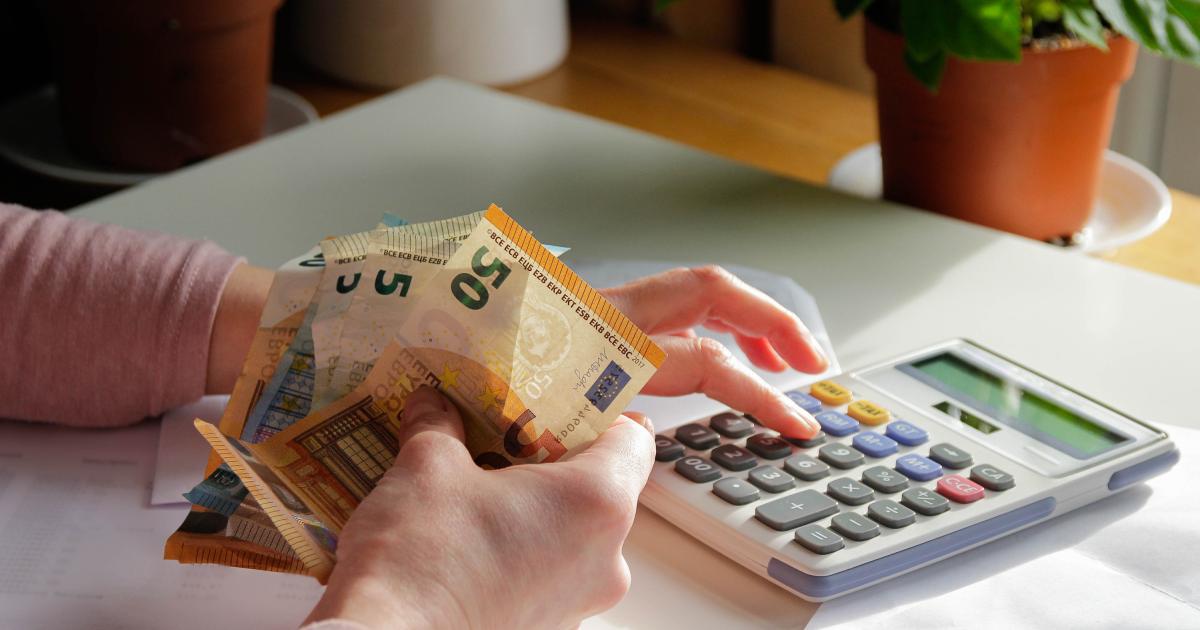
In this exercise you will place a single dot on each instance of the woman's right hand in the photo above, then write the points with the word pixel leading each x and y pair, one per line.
pixel 441 542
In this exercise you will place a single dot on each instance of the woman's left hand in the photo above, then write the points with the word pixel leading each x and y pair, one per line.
pixel 668 305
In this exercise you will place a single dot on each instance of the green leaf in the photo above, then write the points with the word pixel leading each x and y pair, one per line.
pixel 921 24
pixel 983 29
pixel 847 8
pixel 929 70
pixel 1168 27
pixel 661 5
pixel 1081 20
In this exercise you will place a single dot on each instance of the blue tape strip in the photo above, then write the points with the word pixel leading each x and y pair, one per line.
pixel 1142 471
pixel 831 585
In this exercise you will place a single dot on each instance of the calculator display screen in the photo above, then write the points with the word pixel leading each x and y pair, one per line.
pixel 1012 404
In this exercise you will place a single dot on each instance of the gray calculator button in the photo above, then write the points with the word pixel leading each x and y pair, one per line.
pixel 855 526
pixel 849 491
pixel 697 469
pixel 991 477
pixel 667 449
pixel 949 456
pixel 733 457
pixel 806 467
pixel 697 436
pixel 815 440
pixel 771 479
pixel 817 539
pixel 925 501
pixel 884 479
pixel 891 514
pixel 795 510
pixel 840 456
pixel 769 446
pixel 731 425
pixel 735 491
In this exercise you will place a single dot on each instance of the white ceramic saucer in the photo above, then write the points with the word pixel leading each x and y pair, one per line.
pixel 31 137
pixel 1133 202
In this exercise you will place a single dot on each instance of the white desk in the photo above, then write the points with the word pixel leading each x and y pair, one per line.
pixel 887 279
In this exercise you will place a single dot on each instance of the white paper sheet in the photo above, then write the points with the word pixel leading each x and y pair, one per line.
pixel 1128 561
pixel 80 547
pixel 182 452
pixel 670 412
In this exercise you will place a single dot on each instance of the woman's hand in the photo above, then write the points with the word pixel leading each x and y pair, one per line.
pixel 440 542
pixel 668 305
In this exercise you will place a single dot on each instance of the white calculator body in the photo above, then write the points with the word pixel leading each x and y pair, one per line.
pixel 920 458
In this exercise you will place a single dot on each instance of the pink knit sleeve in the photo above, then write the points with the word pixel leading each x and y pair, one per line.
pixel 102 325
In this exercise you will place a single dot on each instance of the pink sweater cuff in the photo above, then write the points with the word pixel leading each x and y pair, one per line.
pixel 102 325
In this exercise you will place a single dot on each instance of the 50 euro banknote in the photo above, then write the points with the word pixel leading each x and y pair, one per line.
pixel 537 362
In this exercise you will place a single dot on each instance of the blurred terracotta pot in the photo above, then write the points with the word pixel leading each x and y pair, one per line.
pixel 1014 146
pixel 156 84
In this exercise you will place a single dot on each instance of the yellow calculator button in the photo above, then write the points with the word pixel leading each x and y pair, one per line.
pixel 830 393
pixel 867 412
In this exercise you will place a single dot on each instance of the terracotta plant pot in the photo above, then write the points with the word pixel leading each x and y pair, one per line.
pixel 156 84
pixel 1014 146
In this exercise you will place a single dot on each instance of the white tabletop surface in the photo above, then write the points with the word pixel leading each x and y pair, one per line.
pixel 887 279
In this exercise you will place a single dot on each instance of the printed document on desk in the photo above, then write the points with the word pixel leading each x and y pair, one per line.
pixel 80 546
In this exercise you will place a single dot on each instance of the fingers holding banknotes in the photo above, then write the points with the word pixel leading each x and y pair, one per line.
pixel 441 542
pixel 670 304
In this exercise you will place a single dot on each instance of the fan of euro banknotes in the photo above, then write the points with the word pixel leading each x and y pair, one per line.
pixel 536 360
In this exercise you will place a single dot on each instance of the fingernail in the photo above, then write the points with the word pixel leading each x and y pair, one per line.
pixel 804 418
pixel 424 401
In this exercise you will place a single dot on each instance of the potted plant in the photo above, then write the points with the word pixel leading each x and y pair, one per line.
pixel 998 111
pixel 149 85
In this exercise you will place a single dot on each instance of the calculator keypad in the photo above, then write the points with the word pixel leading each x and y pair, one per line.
pixel 806 468
pixel 836 423
pixel 772 479
pixel 950 456
pixel 817 539
pixel 769 446
pixel 841 456
pixel 737 491
pixel 891 514
pixel 868 412
pixel 959 489
pixel 731 425
pixel 728 449
pixel 849 491
pixel 795 510
pixel 885 480
pixel 925 501
pixel 667 449
pixel 875 445
pixel 855 526
pixel 733 457
pixel 991 477
pixel 697 436
pixel 697 469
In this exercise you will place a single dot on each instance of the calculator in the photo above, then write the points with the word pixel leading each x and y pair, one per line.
pixel 919 458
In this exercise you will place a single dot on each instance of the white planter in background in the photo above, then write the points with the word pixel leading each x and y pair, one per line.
pixel 390 43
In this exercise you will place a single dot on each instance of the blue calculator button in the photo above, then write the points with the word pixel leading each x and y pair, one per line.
pixel 805 402
pixel 837 424
pixel 906 433
pixel 874 444
pixel 918 468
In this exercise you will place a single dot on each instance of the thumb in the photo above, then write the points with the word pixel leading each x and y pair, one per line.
pixel 427 410
pixel 625 451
